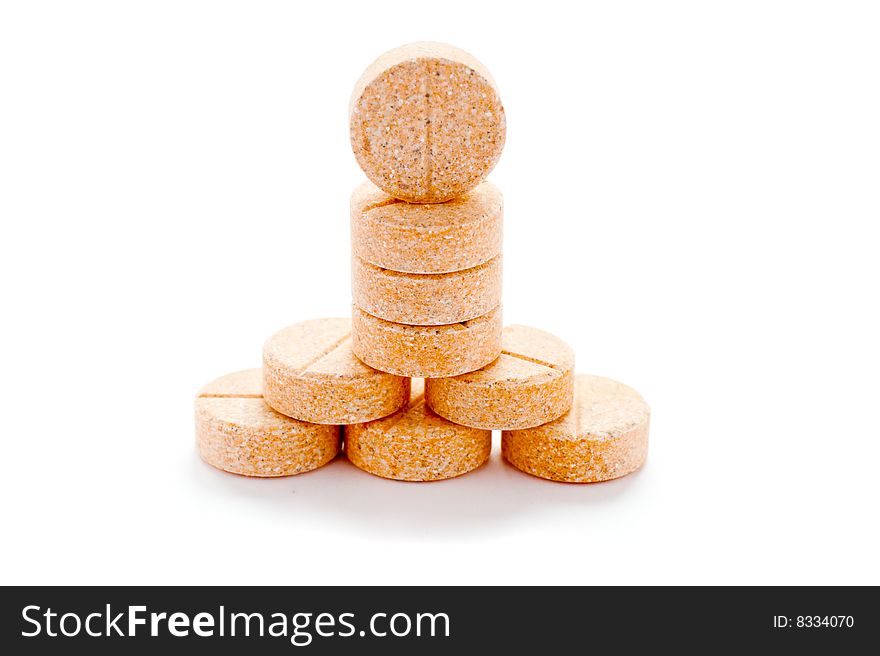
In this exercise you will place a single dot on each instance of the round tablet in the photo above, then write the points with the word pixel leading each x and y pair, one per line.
pixel 433 238
pixel 426 351
pixel 531 383
pixel 426 299
pixel 426 122
pixel 237 432
pixel 415 444
pixel 311 374
pixel 603 436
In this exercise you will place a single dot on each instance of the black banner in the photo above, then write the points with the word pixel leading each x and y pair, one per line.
pixel 114 620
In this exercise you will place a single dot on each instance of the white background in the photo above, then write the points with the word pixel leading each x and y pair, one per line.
pixel 692 202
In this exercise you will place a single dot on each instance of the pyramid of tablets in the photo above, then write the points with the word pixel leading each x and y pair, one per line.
pixel 412 385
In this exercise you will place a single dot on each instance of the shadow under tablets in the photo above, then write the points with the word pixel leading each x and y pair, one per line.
pixel 484 501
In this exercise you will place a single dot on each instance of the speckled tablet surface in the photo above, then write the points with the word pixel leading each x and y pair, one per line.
pixel 310 373
pixel 531 383
pixel 434 238
pixel 603 436
pixel 426 122
pixel 426 299
pixel 415 444
pixel 426 351
pixel 237 432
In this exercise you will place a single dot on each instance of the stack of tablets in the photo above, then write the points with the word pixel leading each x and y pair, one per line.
pixel 424 371
pixel 427 126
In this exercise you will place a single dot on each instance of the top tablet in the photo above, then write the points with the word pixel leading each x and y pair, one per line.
pixel 426 122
